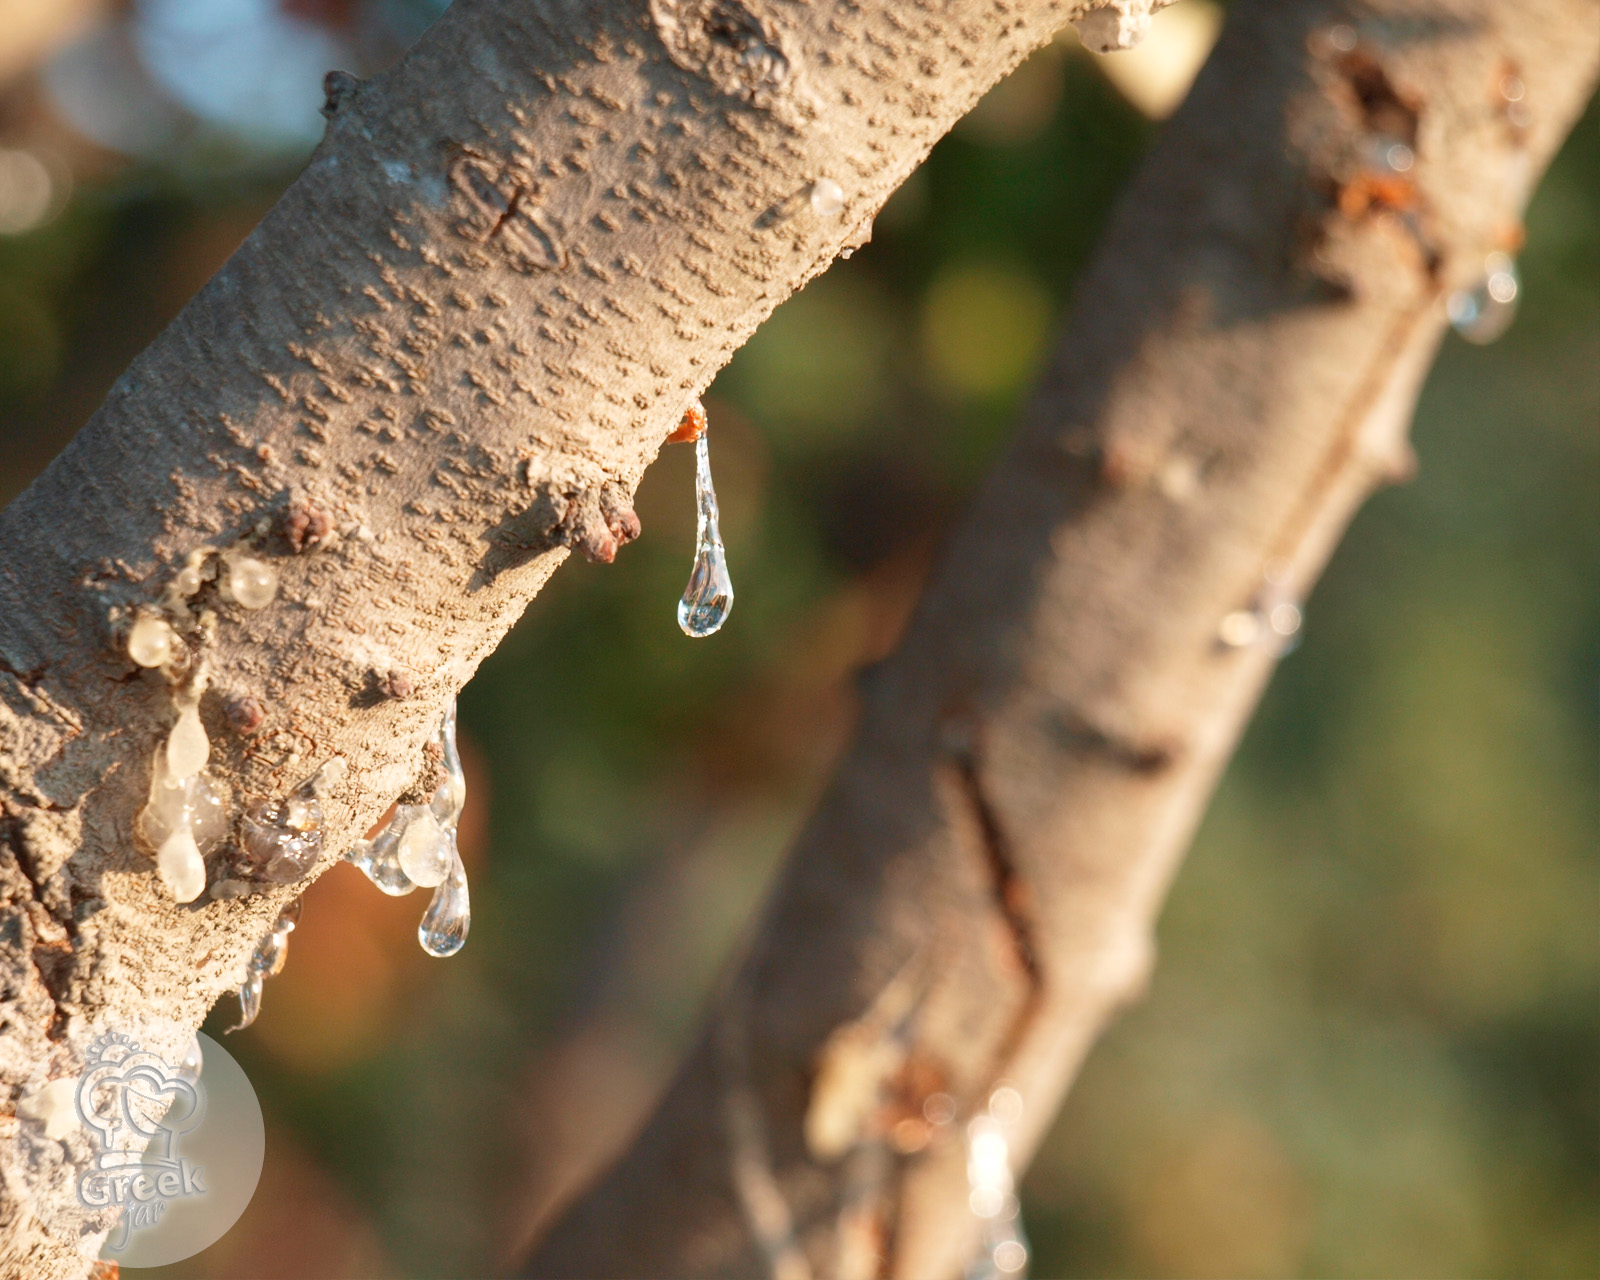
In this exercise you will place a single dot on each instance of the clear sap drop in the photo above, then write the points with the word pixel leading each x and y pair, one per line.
pixel 191 803
pixel 417 848
pixel 708 598
pixel 991 1190
pixel 451 797
pixel 444 926
pixel 249 1002
pixel 266 961
pixel 1485 311
pixel 379 858
pixel 192 1062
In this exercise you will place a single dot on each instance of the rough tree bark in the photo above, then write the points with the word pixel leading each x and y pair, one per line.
pixel 442 360
pixel 977 893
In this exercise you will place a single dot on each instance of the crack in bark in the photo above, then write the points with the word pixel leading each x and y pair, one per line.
pixel 1011 896
pixel 1076 731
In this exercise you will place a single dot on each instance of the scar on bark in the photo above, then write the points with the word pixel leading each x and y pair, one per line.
pixel 597 520
pixel 505 209
pixel 1076 731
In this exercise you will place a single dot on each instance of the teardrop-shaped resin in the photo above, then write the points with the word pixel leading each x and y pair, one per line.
pixel 444 926
pixel 451 797
pixel 249 994
pixel 708 598
pixel 188 748
pixel 181 867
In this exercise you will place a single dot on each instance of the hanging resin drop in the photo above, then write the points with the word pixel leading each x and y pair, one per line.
pixel 249 1002
pixel 444 926
pixel 417 848
pixel 708 598
pixel 266 961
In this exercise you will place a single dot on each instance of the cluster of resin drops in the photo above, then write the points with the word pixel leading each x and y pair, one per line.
pixel 417 847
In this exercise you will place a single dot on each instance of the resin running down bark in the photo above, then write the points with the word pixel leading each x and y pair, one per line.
pixel 1237 375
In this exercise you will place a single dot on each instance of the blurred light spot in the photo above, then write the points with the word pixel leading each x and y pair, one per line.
pixel 31 29
pixel 28 192
pixel 100 88
pixel 819 362
pixel 983 328
pixel 1224 1201
pixel 1018 108
pixel 243 64
pixel 1155 75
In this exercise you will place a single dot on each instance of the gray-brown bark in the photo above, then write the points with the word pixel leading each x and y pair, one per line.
pixel 454 345
pixel 977 892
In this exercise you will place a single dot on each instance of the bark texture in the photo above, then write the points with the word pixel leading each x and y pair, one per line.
pixel 441 361
pixel 976 895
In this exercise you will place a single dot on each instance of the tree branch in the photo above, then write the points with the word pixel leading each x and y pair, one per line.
pixel 1239 373
pixel 442 360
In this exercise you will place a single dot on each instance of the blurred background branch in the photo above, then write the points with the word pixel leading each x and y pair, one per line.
pixel 978 889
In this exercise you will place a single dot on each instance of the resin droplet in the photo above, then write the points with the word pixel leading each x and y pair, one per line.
pixel 188 748
pixel 282 839
pixel 252 583
pixel 249 994
pixel 708 598
pixel 184 818
pixel 181 867
pixel 151 641
pixel 1273 619
pixel 417 847
pixel 425 850
pixel 189 803
pixel 379 858
pixel 451 796
pixel 1485 311
pixel 444 926
pixel 266 961
pixel 827 198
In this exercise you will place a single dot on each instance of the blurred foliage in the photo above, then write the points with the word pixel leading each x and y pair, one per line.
pixel 1370 1047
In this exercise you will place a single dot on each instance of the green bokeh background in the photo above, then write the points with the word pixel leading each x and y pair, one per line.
pixel 1370 1046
